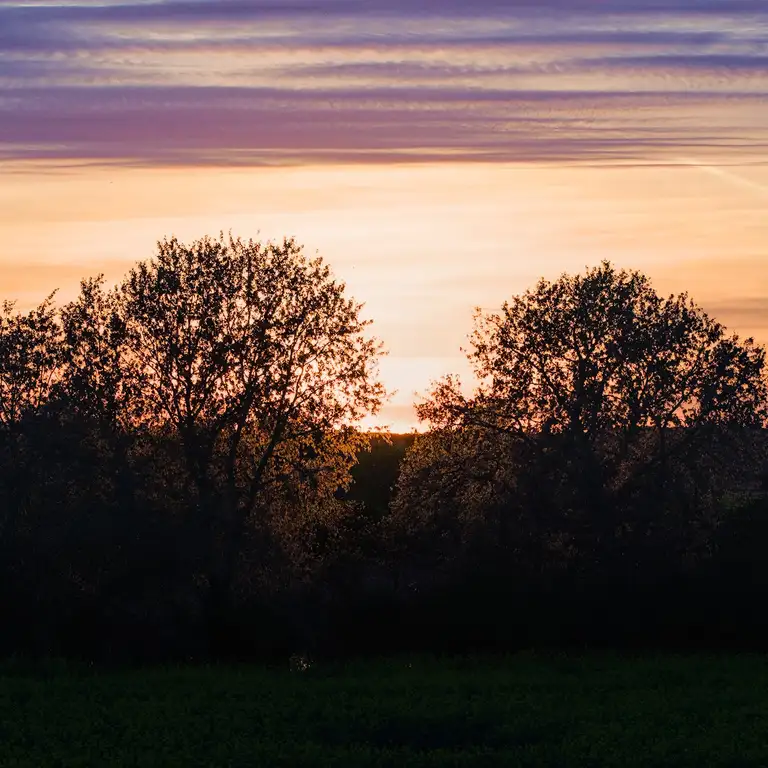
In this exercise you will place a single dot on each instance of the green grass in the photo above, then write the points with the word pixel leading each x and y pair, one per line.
pixel 526 710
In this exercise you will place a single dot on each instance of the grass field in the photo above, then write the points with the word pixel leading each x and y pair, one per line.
pixel 525 710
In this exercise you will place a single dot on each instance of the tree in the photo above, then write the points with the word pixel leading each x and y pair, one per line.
pixel 99 386
pixel 30 351
pixel 254 358
pixel 29 360
pixel 100 380
pixel 625 406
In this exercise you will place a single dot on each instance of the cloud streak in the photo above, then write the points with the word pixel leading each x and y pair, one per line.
pixel 748 312
pixel 231 82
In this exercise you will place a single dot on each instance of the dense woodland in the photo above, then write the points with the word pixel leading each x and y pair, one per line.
pixel 181 477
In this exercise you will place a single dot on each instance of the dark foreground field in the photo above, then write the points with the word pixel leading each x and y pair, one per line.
pixel 527 710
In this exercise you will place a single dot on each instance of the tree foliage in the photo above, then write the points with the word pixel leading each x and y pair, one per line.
pixel 626 408
pixel 254 357
pixel 29 359
pixel 181 472
pixel 221 382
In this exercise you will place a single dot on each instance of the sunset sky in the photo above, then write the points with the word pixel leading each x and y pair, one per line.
pixel 441 154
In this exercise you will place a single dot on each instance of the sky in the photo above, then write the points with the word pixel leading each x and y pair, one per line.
pixel 441 155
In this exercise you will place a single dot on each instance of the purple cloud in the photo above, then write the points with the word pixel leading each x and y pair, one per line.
pixel 229 81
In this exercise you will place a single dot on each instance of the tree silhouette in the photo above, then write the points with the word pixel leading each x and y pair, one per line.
pixel 100 380
pixel 30 353
pixel 177 456
pixel 29 360
pixel 252 355
pixel 623 405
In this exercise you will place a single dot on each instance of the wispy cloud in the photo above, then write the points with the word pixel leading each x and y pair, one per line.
pixel 229 81
pixel 749 312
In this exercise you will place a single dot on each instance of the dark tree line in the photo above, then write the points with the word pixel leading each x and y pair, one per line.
pixel 180 477
pixel 599 465
pixel 179 441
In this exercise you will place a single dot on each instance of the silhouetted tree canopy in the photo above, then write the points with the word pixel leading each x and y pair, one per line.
pixel 625 413
pixel 223 378
pixel 29 360
pixel 181 474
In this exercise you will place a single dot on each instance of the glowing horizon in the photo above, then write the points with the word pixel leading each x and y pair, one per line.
pixel 406 239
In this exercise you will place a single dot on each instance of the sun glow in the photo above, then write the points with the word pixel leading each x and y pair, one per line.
pixel 420 244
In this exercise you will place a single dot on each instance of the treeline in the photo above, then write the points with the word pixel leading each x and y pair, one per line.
pixel 181 478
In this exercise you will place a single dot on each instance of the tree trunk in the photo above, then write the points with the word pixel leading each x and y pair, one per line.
pixel 225 535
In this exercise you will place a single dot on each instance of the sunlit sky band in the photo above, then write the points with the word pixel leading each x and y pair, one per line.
pixel 441 154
